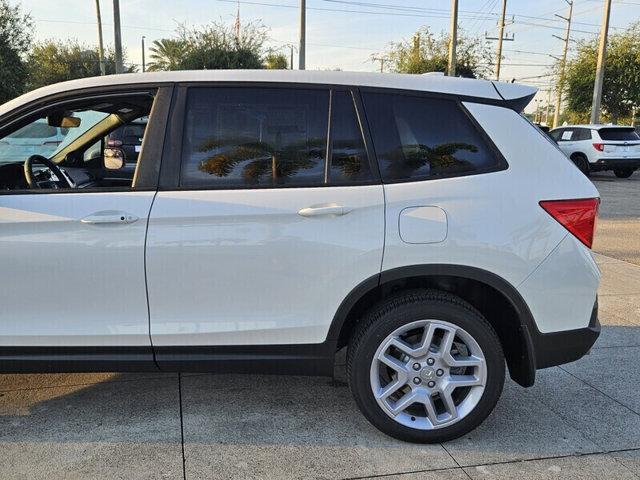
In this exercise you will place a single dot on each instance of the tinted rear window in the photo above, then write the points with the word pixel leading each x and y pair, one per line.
pixel 618 134
pixel 421 137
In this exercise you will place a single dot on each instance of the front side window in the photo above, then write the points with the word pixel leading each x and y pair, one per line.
pixel 246 137
pixel 417 138
pixel 66 147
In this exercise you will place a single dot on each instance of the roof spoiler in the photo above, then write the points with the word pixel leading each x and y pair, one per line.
pixel 515 95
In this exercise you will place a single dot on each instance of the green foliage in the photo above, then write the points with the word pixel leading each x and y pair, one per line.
pixel 276 61
pixel 15 38
pixel 55 61
pixel 166 54
pixel 427 52
pixel 213 47
pixel 621 88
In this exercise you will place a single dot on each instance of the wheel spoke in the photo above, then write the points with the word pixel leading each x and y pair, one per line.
pixel 397 365
pixel 407 400
pixel 447 342
pixel 457 381
pixel 391 388
pixel 449 404
pixel 470 361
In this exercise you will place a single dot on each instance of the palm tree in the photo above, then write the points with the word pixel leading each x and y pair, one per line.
pixel 166 54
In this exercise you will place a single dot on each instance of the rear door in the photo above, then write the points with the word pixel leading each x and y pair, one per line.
pixel 269 213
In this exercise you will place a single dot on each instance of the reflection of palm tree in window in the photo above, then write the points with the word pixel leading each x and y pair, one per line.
pixel 347 158
pixel 441 158
pixel 262 160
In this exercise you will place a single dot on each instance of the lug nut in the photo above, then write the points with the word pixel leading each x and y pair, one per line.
pixel 439 372
pixel 430 361
pixel 416 366
pixel 431 384
pixel 417 381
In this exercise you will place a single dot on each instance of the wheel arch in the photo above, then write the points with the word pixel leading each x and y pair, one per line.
pixel 493 296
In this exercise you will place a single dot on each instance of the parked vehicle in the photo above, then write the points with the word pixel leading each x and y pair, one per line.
pixel 32 138
pixel 594 148
pixel 277 217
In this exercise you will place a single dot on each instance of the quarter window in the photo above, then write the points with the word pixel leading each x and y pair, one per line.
pixel 419 138
pixel 244 137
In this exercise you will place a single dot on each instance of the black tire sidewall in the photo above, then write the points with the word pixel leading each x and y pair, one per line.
pixel 467 319
pixel 623 173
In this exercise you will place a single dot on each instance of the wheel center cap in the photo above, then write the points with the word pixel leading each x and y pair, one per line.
pixel 428 373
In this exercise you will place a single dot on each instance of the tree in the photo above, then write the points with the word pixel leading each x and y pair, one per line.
pixel 276 61
pixel 212 47
pixel 621 88
pixel 427 52
pixel 54 61
pixel 166 54
pixel 15 38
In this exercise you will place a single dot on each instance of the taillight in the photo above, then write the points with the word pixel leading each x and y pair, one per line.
pixel 599 146
pixel 577 216
pixel 114 143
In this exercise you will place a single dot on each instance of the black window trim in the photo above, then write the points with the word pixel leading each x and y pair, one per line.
pixel 162 96
pixel 171 167
pixel 459 100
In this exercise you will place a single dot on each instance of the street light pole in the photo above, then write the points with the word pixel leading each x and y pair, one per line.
pixel 453 39
pixel 602 52
pixel 303 35
pixel 117 36
pixel 144 66
pixel 100 41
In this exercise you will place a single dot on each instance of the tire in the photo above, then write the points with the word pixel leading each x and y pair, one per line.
pixel 408 310
pixel 623 172
pixel 582 163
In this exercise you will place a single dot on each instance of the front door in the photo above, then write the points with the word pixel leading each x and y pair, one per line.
pixel 276 218
pixel 72 233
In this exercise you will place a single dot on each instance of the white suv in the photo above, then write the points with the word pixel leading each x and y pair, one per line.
pixel 594 148
pixel 277 217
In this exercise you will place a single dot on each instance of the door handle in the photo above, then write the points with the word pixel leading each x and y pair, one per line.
pixel 324 209
pixel 109 217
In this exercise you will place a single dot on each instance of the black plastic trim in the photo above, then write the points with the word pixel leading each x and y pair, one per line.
pixel 299 359
pixel 76 359
pixel 558 348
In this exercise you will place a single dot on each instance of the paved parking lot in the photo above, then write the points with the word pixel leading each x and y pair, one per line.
pixel 580 420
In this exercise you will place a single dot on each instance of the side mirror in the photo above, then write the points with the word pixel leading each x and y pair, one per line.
pixel 113 158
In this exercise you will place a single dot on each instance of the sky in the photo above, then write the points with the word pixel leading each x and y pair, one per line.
pixel 345 33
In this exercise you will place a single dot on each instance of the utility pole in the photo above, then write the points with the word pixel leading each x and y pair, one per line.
pixel 144 65
pixel 100 42
pixel 117 35
pixel 453 39
pixel 500 38
pixel 602 53
pixel 563 63
pixel 303 35
pixel 546 115
pixel 382 60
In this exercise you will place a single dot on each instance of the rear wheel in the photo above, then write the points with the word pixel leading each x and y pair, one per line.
pixel 623 172
pixel 425 366
pixel 582 163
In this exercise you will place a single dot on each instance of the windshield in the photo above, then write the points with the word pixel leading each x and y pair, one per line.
pixel 619 134
pixel 39 138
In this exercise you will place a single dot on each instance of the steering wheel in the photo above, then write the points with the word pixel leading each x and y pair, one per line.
pixel 55 169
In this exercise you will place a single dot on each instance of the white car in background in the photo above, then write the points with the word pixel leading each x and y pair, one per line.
pixel 594 148
pixel 36 137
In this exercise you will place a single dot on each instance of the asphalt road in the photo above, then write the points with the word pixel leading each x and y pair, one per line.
pixel 580 421
pixel 617 234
